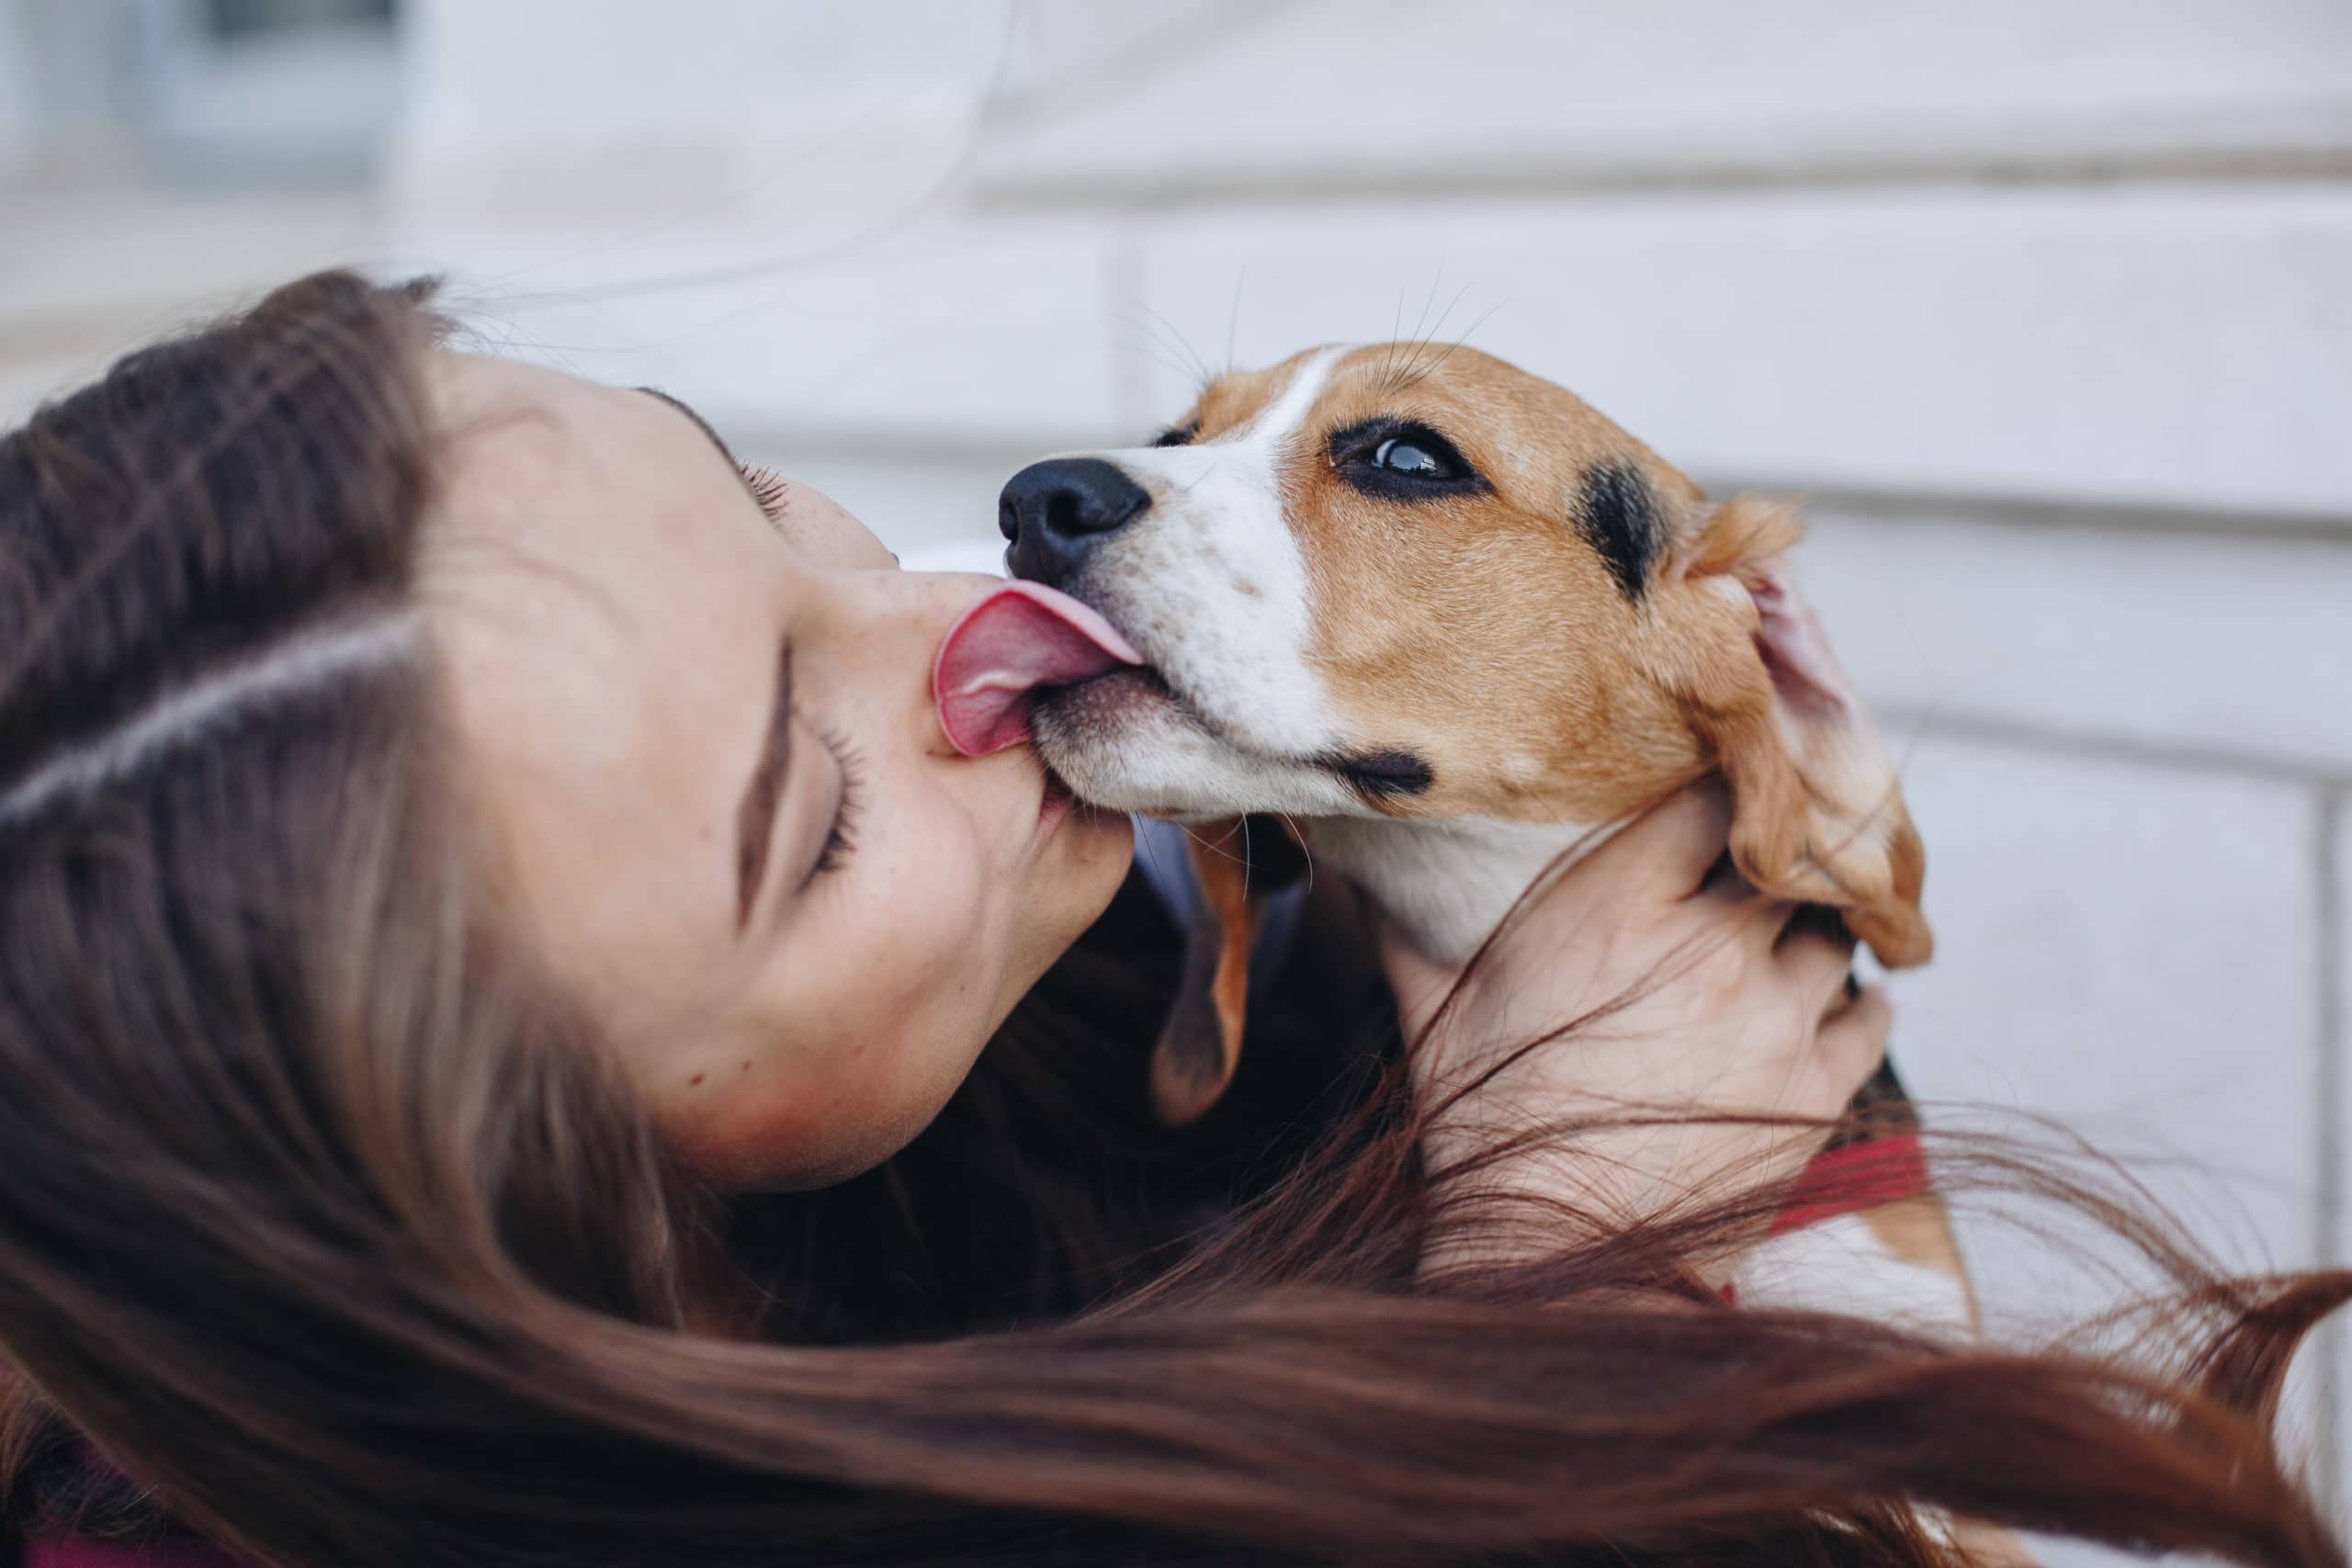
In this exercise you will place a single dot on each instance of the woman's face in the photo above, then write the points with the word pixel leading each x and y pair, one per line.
pixel 697 706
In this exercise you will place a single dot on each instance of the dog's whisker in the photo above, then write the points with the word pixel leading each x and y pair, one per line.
pixel 1142 319
pixel 1200 367
pixel 1298 837
pixel 1152 344
pixel 1158 355
pixel 1388 351
pixel 1402 352
pixel 1425 372
pixel 1170 348
pixel 1168 364
pixel 1215 847
pixel 1414 370
pixel 1437 281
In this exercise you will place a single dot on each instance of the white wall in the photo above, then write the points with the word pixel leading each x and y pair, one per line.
pixel 16 123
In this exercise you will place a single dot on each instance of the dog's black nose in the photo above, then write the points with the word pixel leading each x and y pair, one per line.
pixel 1052 511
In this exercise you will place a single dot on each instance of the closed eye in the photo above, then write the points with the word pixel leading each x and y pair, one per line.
pixel 1401 459
pixel 838 834
pixel 768 488
pixel 1178 435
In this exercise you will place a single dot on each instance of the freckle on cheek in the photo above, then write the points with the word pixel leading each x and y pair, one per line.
pixel 746 1067
pixel 695 1081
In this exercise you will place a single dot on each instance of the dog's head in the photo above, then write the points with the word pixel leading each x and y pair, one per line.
pixel 1407 581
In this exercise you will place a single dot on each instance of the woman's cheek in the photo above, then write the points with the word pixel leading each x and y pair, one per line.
pixel 933 930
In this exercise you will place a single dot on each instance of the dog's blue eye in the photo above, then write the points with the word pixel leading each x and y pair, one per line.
pixel 1402 456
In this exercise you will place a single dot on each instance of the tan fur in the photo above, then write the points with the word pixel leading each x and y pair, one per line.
pixel 1478 631
pixel 1201 1042
pixel 1817 815
pixel 1486 634
pixel 1919 1231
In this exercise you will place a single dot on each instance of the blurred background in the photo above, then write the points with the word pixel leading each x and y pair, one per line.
pixel 2046 304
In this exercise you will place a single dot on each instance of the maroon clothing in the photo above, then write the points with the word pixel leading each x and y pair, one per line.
pixel 178 1552
pixel 170 1549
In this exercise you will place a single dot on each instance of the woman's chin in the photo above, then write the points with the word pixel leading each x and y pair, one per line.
pixel 1076 878
pixel 1103 844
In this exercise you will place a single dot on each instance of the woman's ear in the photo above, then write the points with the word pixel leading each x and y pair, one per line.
pixel 1817 815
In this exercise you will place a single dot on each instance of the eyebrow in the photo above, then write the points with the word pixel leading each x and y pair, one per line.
pixel 704 426
pixel 755 817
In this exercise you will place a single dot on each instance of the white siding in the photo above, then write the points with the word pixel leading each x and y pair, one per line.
pixel 2096 633
pixel 1352 95
pixel 2190 346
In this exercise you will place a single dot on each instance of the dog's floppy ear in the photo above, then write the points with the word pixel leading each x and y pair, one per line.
pixel 1201 1042
pixel 1817 815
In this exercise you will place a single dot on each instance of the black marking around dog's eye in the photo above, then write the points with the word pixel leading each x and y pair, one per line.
pixel 1177 435
pixel 1390 774
pixel 1619 514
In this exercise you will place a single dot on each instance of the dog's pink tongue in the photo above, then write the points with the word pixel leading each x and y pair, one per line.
pixel 1020 638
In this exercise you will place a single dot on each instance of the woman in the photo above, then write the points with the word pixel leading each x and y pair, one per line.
pixel 491 926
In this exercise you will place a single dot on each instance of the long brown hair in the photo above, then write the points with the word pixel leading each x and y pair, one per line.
pixel 324 1215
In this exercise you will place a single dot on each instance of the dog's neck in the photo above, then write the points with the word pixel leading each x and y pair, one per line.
pixel 1445 882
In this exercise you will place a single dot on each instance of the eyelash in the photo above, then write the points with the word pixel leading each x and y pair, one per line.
pixel 838 841
pixel 767 489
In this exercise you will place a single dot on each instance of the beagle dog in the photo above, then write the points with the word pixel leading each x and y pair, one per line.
pixel 1448 622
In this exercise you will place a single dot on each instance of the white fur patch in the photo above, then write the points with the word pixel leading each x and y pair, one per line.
pixel 1840 1265
pixel 1211 584
pixel 1446 881
pixel 1148 757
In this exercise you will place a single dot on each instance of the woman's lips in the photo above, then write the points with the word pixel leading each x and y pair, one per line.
pixel 1021 638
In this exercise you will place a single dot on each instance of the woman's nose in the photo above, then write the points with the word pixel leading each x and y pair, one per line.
pixel 904 618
